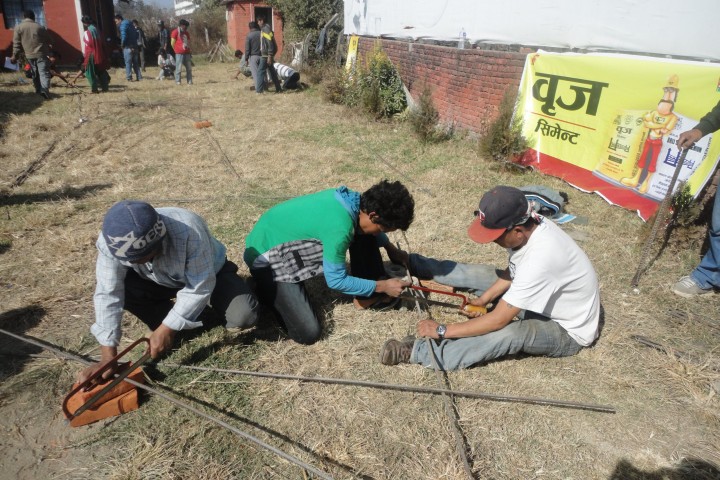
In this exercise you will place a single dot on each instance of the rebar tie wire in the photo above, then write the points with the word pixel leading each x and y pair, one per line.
pixel 181 404
pixel 461 446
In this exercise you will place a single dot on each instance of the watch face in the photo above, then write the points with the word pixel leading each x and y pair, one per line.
pixel 441 330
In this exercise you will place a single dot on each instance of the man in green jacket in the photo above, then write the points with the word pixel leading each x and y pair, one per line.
pixel 310 235
pixel 706 276
pixel 33 40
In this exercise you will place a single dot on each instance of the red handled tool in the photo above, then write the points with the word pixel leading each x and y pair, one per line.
pixel 100 399
pixel 464 306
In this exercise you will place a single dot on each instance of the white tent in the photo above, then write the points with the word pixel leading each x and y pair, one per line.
pixel 660 27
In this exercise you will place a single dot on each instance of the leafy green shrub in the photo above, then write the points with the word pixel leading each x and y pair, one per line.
pixel 381 90
pixel 424 119
pixel 334 82
pixel 301 17
pixel 503 140
pixel 376 87
pixel 685 209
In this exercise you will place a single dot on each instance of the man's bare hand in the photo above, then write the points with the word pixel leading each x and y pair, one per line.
pixel 686 139
pixel 160 341
pixel 107 354
pixel 474 312
pixel 391 286
pixel 427 328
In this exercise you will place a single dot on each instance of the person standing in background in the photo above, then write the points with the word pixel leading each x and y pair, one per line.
pixel 252 55
pixel 163 37
pixel 140 44
pixel 33 40
pixel 95 62
pixel 268 49
pixel 180 42
pixel 128 42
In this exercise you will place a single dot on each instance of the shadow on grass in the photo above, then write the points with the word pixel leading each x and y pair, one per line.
pixel 246 338
pixel 321 457
pixel 15 353
pixel 69 193
pixel 687 469
pixel 17 103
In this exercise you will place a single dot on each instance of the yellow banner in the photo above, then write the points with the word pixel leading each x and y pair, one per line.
pixel 352 52
pixel 609 123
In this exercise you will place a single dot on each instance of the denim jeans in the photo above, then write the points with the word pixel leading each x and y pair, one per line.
pixel 707 274
pixel 39 68
pixel 533 334
pixel 131 63
pixel 183 59
pixel 265 66
pixel 231 300
pixel 476 278
pixel 291 304
pixel 290 301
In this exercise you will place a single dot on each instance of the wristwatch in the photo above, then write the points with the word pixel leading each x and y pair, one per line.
pixel 440 330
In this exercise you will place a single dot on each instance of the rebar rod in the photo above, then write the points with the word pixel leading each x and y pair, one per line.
pixel 659 220
pixel 180 404
pixel 409 388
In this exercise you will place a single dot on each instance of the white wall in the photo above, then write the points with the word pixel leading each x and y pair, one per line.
pixel 685 28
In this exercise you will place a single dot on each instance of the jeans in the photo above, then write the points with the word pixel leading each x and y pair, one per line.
pixel 231 300
pixel 476 278
pixel 141 57
pixel 131 63
pixel 533 334
pixel 290 301
pixel 40 74
pixel 254 63
pixel 266 66
pixel 183 59
pixel 537 335
pixel 707 274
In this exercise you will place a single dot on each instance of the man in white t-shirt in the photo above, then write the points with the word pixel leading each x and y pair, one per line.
pixel 547 300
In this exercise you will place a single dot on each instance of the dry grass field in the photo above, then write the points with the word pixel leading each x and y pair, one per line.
pixel 64 162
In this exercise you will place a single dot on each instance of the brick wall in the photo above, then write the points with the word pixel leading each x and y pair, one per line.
pixel 467 84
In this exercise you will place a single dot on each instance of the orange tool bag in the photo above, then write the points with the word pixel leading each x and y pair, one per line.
pixel 87 402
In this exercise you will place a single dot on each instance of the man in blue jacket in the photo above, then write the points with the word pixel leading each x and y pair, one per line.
pixel 129 44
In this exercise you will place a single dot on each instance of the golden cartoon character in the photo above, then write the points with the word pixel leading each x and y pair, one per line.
pixel 659 123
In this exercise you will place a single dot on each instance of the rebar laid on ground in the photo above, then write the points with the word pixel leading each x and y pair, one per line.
pixel 180 404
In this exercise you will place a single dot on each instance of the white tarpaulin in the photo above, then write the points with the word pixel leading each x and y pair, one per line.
pixel 667 27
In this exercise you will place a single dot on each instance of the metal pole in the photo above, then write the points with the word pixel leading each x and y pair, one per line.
pixel 659 220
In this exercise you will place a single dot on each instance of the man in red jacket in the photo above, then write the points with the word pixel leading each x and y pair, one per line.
pixel 180 41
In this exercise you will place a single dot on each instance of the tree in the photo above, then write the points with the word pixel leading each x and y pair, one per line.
pixel 301 17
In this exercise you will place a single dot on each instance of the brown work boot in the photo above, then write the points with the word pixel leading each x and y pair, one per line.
pixel 394 351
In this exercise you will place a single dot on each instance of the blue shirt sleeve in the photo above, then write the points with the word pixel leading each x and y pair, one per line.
pixel 337 278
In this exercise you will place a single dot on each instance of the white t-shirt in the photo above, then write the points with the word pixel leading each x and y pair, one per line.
pixel 552 276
